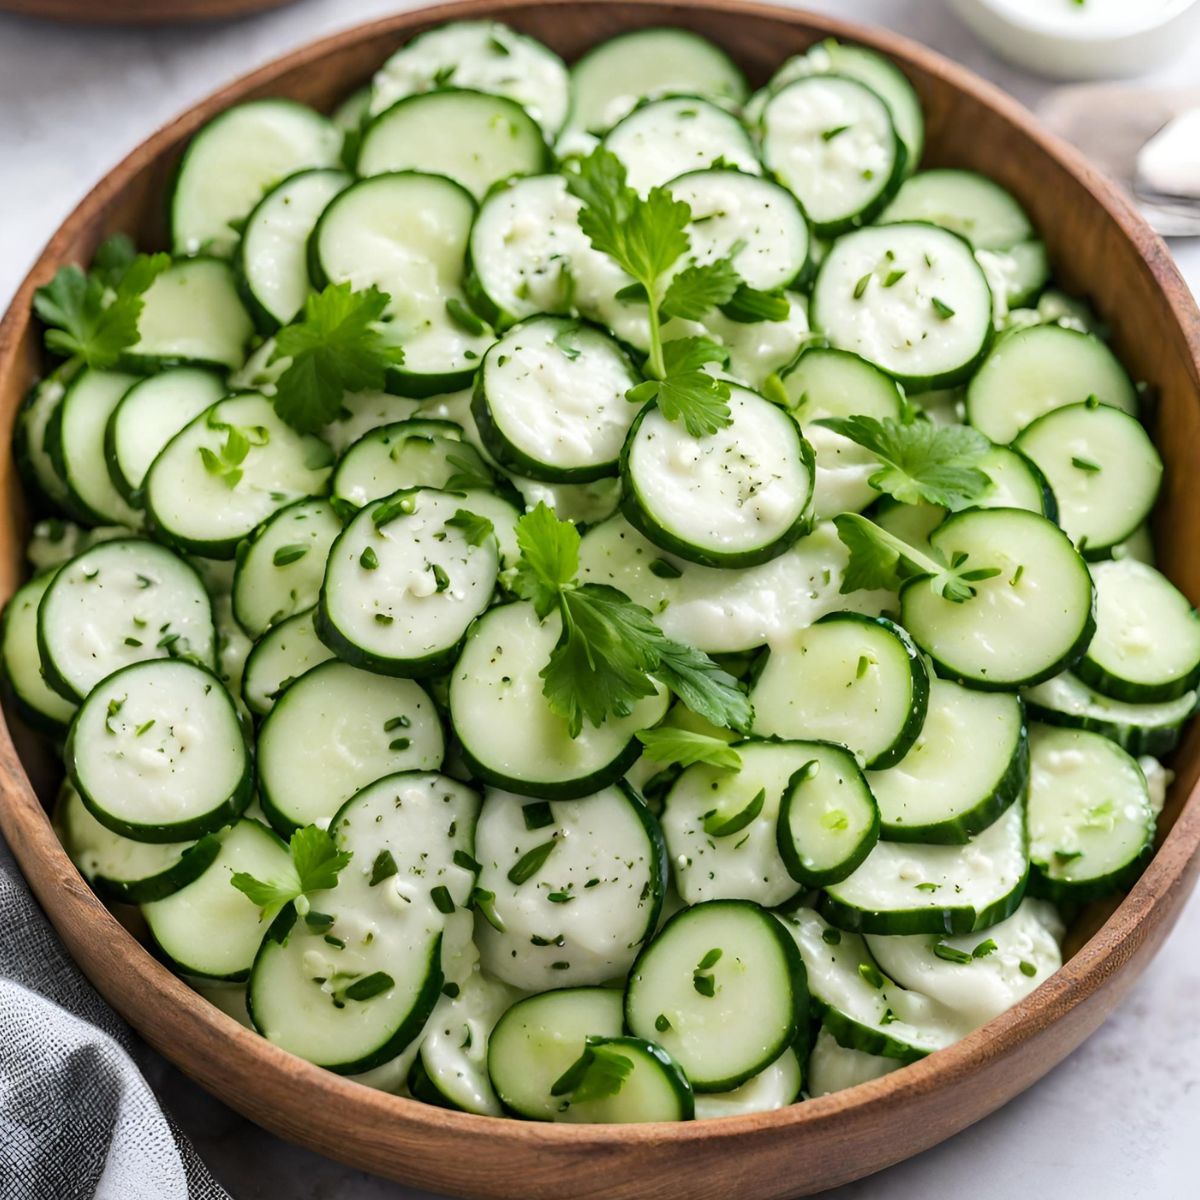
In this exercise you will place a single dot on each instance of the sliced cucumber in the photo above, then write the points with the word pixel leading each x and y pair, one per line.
pixel 828 819
pixel 192 315
pixel 272 259
pixel 1091 823
pixel 608 81
pixel 966 203
pixel 156 753
pixel 978 975
pixel 209 929
pixel 1146 648
pixel 335 730
pixel 909 298
pixel 773 1088
pixel 663 139
pixel 485 56
pixel 234 159
pixel 859 1006
pixel 74 440
pixel 539 1038
pixel 830 139
pixel 121 869
pixel 472 137
pixel 903 887
pixel 578 886
pixel 280 566
pixel 279 658
pixel 1103 468
pixel 407 454
pixel 721 989
pixel 736 498
pixel 227 471
pixel 967 766
pixel 121 602
pixel 148 416
pixel 1033 371
pixel 404 581
pixel 376 232
pixel 652 1086
pixel 37 702
pixel 1139 728
pixel 510 738
pixel 834 383
pixel 834 1068
pixel 29 440
pixel 550 401
pixel 850 679
pixel 1025 624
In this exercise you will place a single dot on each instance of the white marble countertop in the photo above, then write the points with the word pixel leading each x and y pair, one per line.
pixel 1117 1120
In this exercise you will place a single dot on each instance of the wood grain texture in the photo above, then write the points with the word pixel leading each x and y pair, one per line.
pixel 1099 248
pixel 138 12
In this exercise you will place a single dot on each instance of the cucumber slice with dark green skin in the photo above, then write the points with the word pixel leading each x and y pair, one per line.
pixel 968 765
pixel 157 754
pixel 1103 468
pixel 29 442
pixel 828 819
pixel 192 315
pixel 1033 371
pixel 509 737
pixel 334 731
pixel 474 138
pixel 831 140
pixel 1153 729
pixel 404 582
pixel 209 929
pixel 272 257
pixel 74 441
pixel 773 1088
pixel 652 1087
pixel 121 602
pixel 550 401
pixel 1029 622
pixel 1091 822
pixel 281 565
pixel 859 1006
pixel 540 1037
pixel 737 498
pixel 284 653
pixel 833 1067
pixel 417 452
pixel 914 276
pixel 1146 648
pixel 848 678
pixel 38 704
pixel 966 203
pixel 722 989
pixel 120 869
pixel 237 157
pixel 903 887
pixel 604 868
pixel 148 416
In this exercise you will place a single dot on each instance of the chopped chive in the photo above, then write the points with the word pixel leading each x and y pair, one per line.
pixel 396 723
pixel 289 554
pixel 704 984
pixel 861 286
pixel 1028 969
pixel 334 941
pixel 942 309
pixel 928 887
pixel 951 954
pixel 661 1023
pixel 318 921
pixel 871 974
pixel 829 134
pixel 484 903
pixel 132 641
pixel 560 897
pixel 463 317
pixel 864 665
pixel 144 728
pixel 368 559
pixel 440 578
pixel 442 899
pixel 664 569
pixel 530 863
pixel 984 948
pixel 537 815
pixel 399 744
pixel 370 986
pixel 710 959
pixel 893 278
pixel 466 862
pixel 1084 464
pixel 384 867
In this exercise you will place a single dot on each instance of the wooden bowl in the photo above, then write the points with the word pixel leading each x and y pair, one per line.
pixel 139 12
pixel 1100 248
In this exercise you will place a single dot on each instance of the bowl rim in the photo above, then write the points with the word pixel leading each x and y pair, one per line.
pixel 27 826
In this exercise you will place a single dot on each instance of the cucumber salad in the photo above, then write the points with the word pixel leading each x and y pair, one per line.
pixel 589 594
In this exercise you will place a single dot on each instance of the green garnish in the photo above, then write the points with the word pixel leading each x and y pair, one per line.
pixel 598 1073
pixel 315 864
pixel 942 309
pixel 289 554
pixel 464 318
pixel 442 899
pixel 384 867
pixel 1028 969
pixel 718 827
pixel 951 953
pixel 986 947
pixel 871 974
pixel 530 863
pixel 1084 464
pixel 682 747
pixel 476 529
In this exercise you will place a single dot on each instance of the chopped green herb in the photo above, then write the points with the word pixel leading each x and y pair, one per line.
pixel 384 867
pixel 530 863
pixel 289 554
pixel 718 827
pixel 442 899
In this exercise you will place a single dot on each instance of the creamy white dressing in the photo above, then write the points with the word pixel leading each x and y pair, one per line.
pixel 833 1068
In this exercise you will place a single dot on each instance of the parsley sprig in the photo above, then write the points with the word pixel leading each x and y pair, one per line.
pixel 336 346
pixel 92 318
pixel 682 747
pixel 598 1073
pixel 920 462
pixel 610 651
pixel 879 559
pixel 315 864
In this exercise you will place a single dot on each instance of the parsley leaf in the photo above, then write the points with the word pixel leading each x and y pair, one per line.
pixel 697 289
pixel 921 462
pixel 476 529
pixel 610 649
pixel 682 747
pixel 315 864
pixel 598 1073
pixel 685 392
pixel 92 318
pixel 750 305
pixel 336 347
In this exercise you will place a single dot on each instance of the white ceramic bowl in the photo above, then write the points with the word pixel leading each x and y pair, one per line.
pixel 1092 39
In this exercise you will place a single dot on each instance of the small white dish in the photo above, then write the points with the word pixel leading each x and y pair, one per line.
pixel 1082 39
